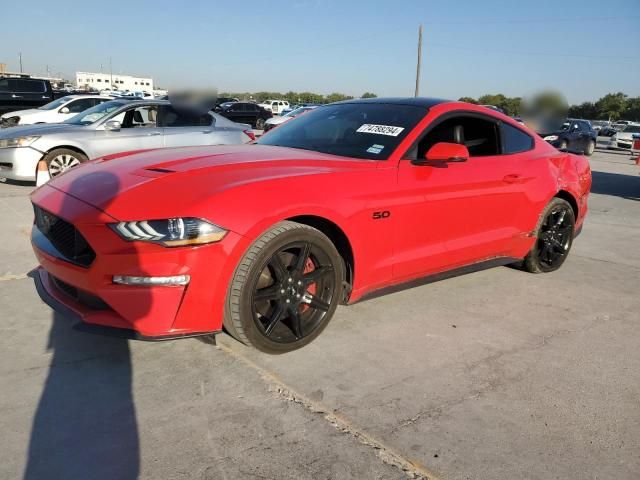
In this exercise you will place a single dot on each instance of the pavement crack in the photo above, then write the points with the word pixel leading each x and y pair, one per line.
pixel 411 468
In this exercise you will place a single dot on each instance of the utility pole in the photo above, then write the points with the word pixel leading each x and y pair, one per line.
pixel 20 55
pixel 419 61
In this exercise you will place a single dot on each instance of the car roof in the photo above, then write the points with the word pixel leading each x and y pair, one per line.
pixel 426 102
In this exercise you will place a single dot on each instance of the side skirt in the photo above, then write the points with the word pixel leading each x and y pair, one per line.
pixel 436 277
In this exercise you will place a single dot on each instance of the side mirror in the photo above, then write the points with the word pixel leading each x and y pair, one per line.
pixel 64 110
pixel 113 126
pixel 445 152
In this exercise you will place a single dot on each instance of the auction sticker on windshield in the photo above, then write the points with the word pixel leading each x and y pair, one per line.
pixel 380 129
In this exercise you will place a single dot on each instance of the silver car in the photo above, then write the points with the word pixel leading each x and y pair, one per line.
pixel 111 127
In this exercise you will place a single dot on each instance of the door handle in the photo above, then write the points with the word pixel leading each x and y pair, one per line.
pixel 207 131
pixel 512 178
pixel 153 134
pixel 16 96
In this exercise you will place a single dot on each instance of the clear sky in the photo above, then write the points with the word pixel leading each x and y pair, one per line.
pixel 582 48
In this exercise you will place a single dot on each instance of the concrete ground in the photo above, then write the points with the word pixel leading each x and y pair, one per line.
pixel 498 374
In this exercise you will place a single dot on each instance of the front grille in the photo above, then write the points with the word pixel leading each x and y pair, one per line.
pixel 65 237
pixel 624 145
pixel 80 296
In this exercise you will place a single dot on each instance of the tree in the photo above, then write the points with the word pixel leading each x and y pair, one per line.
pixel 336 97
pixel 369 95
pixel 584 110
pixel 611 105
pixel 632 111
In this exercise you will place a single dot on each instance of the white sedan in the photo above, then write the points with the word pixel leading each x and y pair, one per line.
pixel 275 121
pixel 53 112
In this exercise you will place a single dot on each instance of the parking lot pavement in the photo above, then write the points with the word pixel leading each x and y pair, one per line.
pixel 498 374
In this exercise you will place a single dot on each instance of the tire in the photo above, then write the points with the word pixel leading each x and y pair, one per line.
pixel 259 124
pixel 554 237
pixel 62 159
pixel 285 289
pixel 591 147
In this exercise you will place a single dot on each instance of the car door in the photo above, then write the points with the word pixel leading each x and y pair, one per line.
pixel 182 129
pixel 138 130
pixel 457 213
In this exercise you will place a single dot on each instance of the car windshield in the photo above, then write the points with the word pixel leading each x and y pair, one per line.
pixel 632 129
pixel 55 104
pixel 94 114
pixel 359 130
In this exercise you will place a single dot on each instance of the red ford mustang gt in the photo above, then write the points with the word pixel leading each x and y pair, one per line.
pixel 351 199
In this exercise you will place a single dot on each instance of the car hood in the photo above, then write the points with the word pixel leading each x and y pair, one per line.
pixel 278 120
pixel 175 182
pixel 39 129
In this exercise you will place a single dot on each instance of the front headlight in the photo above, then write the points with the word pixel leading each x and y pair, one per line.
pixel 18 141
pixel 172 232
pixel 550 138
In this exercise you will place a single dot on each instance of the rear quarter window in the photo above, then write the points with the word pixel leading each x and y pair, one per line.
pixel 514 140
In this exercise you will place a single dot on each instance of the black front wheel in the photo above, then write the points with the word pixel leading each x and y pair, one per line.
pixel 260 123
pixel 285 289
pixel 590 148
pixel 554 236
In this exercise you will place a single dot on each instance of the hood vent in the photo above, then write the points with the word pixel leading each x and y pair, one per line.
pixel 160 170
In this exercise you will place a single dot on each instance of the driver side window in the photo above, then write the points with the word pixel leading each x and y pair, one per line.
pixel 479 135
pixel 144 116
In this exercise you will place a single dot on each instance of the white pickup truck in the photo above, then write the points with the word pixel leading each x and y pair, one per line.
pixel 274 106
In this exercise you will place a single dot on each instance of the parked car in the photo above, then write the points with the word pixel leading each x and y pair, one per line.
pixel 108 128
pixel 575 135
pixel 53 112
pixel 624 139
pixel 598 125
pixel 291 108
pixel 244 112
pixel 280 119
pixel 274 106
pixel 21 92
pixel 344 202
pixel 221 100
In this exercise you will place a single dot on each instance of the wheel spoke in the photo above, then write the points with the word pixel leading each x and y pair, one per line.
pixel 296 322
pixel 276 316
pixel 265 294
pixel 317 303
pixel 560 218
pixel 278 267
pixel 303 256
pixel 317 274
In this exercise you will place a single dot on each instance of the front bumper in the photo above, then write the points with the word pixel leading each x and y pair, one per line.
pixel 143 312
pixel 19 163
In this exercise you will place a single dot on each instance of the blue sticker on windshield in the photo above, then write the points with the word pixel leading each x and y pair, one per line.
pixel 375 148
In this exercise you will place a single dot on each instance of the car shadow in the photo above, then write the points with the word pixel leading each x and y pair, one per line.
pixel 85 424
pixel 617 185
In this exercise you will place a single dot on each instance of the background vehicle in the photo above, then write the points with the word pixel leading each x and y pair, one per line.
pixel 574 135
pixel 20 93
pixel 53 112
pixel 290 108
pixel 108 128
pixel 244 112
pixel 624 138
pixel 345 201
pixel 274 106
pixel 598 125
pixel 275 121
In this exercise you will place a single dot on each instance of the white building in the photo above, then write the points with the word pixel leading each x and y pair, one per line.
pixel 102 81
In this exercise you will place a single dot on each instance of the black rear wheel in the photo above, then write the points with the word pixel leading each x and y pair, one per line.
pixel 285 290
pixel 554 236
pixel 260 123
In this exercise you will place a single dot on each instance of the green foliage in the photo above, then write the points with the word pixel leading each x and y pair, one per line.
pixel 612 105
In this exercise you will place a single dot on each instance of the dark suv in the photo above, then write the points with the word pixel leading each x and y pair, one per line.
pixel 21 93
pixel 574 135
